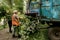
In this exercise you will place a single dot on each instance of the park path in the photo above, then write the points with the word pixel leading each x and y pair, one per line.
pixel 5 35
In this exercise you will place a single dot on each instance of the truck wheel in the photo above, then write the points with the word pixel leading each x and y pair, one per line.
pixel 54 33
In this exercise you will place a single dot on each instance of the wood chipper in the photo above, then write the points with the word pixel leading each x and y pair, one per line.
pixel 48 12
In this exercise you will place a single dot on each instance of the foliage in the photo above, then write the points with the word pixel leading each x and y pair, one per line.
pixel 10 5
pixel 30 29
pixel 18 4
pixel 2 12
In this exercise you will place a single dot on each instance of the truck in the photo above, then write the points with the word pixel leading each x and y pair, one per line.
pixel 48 12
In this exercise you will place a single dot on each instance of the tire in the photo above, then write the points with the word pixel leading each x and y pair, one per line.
pixel 54 33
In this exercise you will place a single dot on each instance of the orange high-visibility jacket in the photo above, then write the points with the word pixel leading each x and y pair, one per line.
pixel 15 21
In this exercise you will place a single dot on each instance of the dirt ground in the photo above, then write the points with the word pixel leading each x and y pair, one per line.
pixel 5 35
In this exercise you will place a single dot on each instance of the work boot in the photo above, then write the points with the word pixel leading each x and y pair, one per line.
pixel 19 36
pixel 13 36
pixel 10 31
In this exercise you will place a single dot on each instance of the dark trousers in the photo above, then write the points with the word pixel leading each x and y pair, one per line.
pixel 10 25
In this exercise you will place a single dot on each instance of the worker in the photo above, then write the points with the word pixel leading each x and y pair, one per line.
pixel 15 23
pixel 10 25
pixel 9 20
